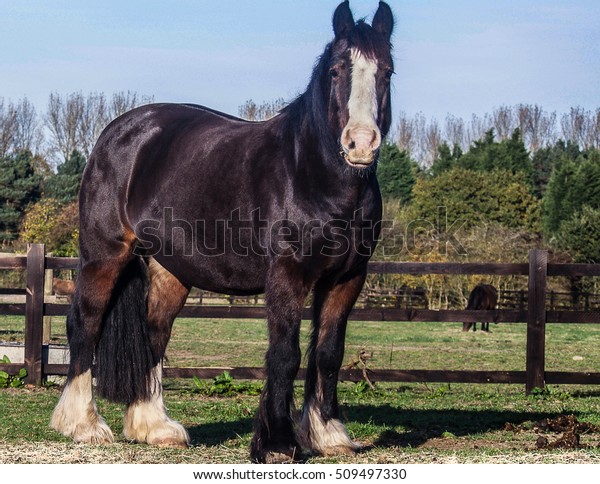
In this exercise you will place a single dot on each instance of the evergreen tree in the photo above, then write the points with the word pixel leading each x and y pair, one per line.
pixel 446 160
pixel 585 189
pixel 555 203
pixel 472 198
pixel 19 187
pixel 64 186
pixel 487 155
pixel 573 185
pixel 395 173
pixel 545 159
pixel 580 236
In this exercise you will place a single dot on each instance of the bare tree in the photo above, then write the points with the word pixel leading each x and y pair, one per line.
pixel 477 128
pixel 420 127
pixel 75 121
pixel 573 125
pixel 260 112
pixel 503 122
pixel 94 118
pixel 432 140
pixel 62 119
pixel 592 130
pixel 122 102
pixel 7 127
pixel 547 129
pixel 405 134
pixel 28 132
pixel 595 129
pixel 454 131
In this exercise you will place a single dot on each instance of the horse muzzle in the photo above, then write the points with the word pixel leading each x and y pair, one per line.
pixel 360 146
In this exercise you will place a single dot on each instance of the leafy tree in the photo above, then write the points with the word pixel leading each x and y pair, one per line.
pixel 447 159
pixel 395 172
pixel 585 189
pixel 19 187
pixel 580 235
pixel 471 198
pixel 486 155
pixel 54 224
pixel 64 186
pixel 573 185
pixel 546 159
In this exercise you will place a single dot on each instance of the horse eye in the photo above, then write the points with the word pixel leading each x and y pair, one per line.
pixel 388 74
pixel 333 73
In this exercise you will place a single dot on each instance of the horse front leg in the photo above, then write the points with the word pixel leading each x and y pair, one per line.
pixel 274 439
pixel 321 430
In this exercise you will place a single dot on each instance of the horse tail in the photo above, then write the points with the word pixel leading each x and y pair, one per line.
pixel 124 359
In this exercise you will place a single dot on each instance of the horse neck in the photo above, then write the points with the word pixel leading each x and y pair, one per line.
pixel 313 162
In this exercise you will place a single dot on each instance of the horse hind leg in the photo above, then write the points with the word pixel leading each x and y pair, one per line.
pixel 75 414
pixel 146 420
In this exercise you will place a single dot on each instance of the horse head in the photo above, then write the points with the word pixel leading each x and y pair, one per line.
pixel 359 71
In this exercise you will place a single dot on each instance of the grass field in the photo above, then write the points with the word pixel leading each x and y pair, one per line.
pixel 402 423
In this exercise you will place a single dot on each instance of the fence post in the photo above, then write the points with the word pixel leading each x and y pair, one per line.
pixel 48 277
pixel 34 313
pixel 536 320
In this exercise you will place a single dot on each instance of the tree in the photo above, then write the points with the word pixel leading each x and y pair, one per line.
pixel 54 224
pixel 75 121
pixel 28 133
pixel 446 159
pixel 487 155
pixel 7 127
pixel 471 198
pixel 19 187
pixel 260 112
pixel 580 236
pixel 546 159
pixel 585 187
pixel 573 184
pixel 64 185
pixel 395 172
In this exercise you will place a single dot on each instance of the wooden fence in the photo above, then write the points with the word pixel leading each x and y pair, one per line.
pixel 536 315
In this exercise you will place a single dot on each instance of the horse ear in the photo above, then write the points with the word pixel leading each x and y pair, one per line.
pixel 383 21
pixel 343 21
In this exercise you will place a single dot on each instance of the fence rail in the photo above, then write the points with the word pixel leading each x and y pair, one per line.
pixel 536 314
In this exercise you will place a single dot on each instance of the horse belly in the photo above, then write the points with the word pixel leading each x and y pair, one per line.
pixel 226 274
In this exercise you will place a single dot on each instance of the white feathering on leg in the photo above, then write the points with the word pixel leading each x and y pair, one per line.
pixel 76 415
pixel 147 421
pixel 325 438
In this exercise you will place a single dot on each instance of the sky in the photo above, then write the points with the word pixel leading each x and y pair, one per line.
pixel 458 57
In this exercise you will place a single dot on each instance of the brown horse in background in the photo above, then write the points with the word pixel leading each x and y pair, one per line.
pixel 482 297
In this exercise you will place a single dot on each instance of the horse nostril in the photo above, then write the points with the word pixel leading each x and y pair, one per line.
pixel 352 145
pixel 376 140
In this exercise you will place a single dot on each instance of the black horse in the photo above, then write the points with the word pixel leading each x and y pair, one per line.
pixel 176 196
pixel 482 297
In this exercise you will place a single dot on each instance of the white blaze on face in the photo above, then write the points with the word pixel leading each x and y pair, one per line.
pixel 361 136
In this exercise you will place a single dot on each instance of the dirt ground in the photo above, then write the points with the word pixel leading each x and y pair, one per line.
pixel 561 440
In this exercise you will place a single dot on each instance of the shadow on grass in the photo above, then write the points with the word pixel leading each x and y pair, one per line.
pixel 420 425
pixel 216 433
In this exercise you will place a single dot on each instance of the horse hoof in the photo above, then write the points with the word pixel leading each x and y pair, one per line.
pixel 171 444
pixel 96 435
pixel 341 450
pixel 278 455
pixel 278 458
